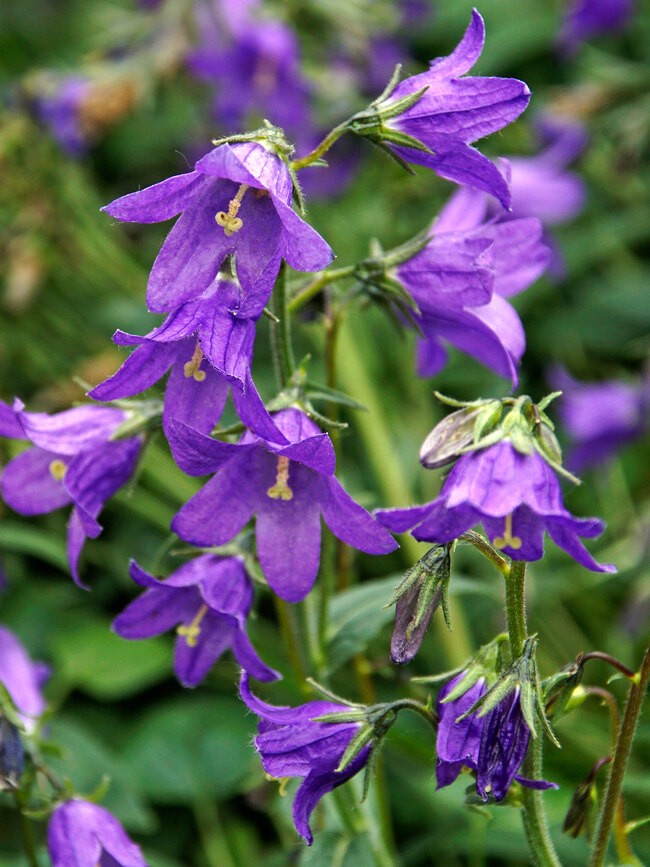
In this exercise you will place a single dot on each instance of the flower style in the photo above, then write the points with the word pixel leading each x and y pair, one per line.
pixel 22 678
pixel 462 278
pixel 454 111
pixel 236 201
pixel 601 417
pixel 288 486
pixel 493 745
pixel 210 598
pixel 255 67
pixel 587 18
pixel 207 347
pixel 292 743
pixel 73 461
pixel 87 835
pixel 516 497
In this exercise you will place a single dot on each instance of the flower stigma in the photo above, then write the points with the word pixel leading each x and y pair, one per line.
pixel 508 540
pixel 57 469
pixel 281 490
pixel 191 632
pixel 191 367
pixel 230 221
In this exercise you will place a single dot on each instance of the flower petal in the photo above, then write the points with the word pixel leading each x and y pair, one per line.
pixel 28 485
pixel 144 366
pixel 350 522
pixel 302 247
pixel 193 661
pixel 197 404
pixel 158 202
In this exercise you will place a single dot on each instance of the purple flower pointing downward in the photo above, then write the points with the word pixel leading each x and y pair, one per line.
pixel 22 678
pixel 210 598
pixel 288 486
pixel 81 834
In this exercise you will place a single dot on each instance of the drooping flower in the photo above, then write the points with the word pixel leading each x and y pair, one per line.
pixel 208 348
pixel 59 106
pixel 601 417
pixel 287 486
pixel 73 461
pixel 22 678
pixel 87 835
pixel 587 18
pixel 493 745
pixel 455 111
pixel 293 743
pixel 516 496
pixel 254 65
pixel 208 599
pixel 236 201
pixel 461 279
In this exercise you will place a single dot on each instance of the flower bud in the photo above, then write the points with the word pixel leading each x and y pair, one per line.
pixel 457 431
pixel 11 754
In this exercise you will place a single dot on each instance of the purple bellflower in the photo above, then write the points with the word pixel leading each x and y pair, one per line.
pixel 236 201
pixel 86 835
pixel 455 111
pixel 515 496
pixel 292 743
pixel 22 678
pixel 288 486
pixel 587 18
pixel 73 461
pixel 462 278
pixel 254 65
pixel 60 108
pixel 208 600
pixel 601 417
pixel 493 745
pixel 207 348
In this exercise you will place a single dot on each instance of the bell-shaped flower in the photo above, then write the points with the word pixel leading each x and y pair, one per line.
pixel 287 486
pixel 586 18
pixel 455 111
pixel 86 835
pixel 293 743
pixel 73 461
pixel 601 417
pixel 516 496
pixel 493 745
pixel 208 348
pixel 207 600
pixel 236 201
pixel 461 280
pixel 22 678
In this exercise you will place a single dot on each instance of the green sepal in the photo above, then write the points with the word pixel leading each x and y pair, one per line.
pixel 358 742
pixel 144 415
pixel 9 709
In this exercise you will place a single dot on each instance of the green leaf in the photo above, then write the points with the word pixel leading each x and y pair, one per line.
pixel 357 616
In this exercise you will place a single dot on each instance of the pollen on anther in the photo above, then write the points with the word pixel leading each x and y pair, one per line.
pixel 57 469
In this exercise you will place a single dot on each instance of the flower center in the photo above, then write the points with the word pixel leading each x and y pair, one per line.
pixel 191 367
pixel 281 490
pixel 508 540
pixel 230 221
pixel 57 469
pixel 192 632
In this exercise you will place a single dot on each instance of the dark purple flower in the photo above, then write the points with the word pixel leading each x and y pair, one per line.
pixel 22 678
pixel 456 111
pixel 60 108
pixel 73 462
pixel 493 745
pixel 238 200
pixel 254 65
pixel 461 279
pixel 515 496
pixel 587 18
pixel 601 417
pixel 288 486
pixel 208 348
pixel 291 743
pixel 210 598
pixel 86 835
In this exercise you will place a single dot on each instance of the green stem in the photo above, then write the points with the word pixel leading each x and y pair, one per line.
pixel 288 628
pixel 312 289
pixel 535 824
pixel 281 347
pixel 27 833
pixel 486 550
pixel 212 833
pixel 619 765
pixel 321 148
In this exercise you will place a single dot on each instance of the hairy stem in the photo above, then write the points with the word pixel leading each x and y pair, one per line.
pixel 619 765
pixel 27 833
pixel 312 289
pixel 321 148
pixel 281 347
pixel 535 824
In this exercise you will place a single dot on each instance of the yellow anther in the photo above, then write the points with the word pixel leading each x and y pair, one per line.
pixel 192 367
pixel 192 632
pixel 281 490
pixel 57 469
pixel 283 781
pixel 230 221
pixel 508 540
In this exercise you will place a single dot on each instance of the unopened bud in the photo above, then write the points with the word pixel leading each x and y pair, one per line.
pixel 548 443
pixel 11 755
pixel 457 431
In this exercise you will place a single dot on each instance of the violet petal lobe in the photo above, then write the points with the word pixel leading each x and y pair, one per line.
pixel 32 482
pixel 350 522
pixel 159 202
pixel 79 833
pixel 22 678
pixel 144 367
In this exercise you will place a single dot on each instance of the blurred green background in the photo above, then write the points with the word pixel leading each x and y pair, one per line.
pixel 185 779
